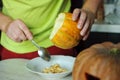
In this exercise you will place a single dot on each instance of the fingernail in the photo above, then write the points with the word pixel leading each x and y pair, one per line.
pixel 79 26
pixel 73 18
pixel 81 33
pixel 30 37
pixel 84 39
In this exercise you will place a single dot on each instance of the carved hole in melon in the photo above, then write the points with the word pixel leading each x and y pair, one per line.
pixel 91 77
pixel 58 24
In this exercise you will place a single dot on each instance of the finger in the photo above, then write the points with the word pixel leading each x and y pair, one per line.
pixel 76 13
pixel 86 36
pixel 85 28
pixel 19 34
pixel 82 19
pixel 22 36
pixel 25 30
pixel 15 38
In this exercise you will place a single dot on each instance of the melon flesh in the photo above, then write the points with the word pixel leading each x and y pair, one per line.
pixel 65 33
pixel 58 24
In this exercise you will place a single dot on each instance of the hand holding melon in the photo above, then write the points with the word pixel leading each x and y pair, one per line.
pixel 65 33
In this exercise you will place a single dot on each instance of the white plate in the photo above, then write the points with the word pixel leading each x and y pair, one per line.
pixel 36 65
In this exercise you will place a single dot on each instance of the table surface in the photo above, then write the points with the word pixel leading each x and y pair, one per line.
pixel 15 69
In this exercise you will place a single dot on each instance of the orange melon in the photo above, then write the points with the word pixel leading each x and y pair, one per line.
pixel 65 33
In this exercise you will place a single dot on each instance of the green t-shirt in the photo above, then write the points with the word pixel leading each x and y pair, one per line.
pixel 38 15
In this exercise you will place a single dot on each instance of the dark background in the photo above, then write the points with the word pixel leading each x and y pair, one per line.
pixel 98 37
pixel 0 3
pixel 76 4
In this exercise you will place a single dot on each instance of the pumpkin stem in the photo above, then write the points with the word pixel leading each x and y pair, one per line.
pixel 115 51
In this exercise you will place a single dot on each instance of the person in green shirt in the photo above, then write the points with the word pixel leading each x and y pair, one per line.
pixel 23 20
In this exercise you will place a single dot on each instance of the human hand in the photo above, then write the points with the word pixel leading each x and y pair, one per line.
pixel 85 20
pixel 18 31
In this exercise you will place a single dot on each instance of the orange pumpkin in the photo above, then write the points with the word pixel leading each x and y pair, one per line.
pixel 99 62
pixel 65 33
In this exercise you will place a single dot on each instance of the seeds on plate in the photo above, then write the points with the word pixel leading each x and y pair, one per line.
pixel 55 68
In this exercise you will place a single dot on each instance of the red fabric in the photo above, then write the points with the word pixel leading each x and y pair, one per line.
pixel 6 54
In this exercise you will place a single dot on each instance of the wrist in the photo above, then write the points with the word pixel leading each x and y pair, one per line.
pixel 92 5
pixel 4 22
pixel 5 26
pixel 88 11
